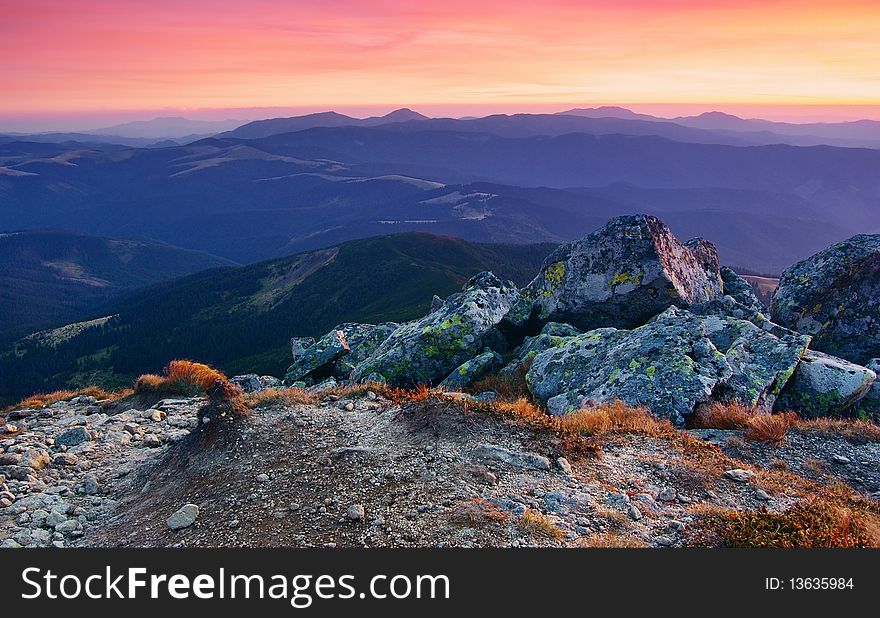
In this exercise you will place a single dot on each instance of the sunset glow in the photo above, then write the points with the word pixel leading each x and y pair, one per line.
pixel 111 55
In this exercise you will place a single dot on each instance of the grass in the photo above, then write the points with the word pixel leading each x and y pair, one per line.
pixel 610 540
pixel 537 524
pixel 183 377
pixel 811 523
pixel 856 431
pixel 280 396
pixel 509 387
pixel 716 415
pixel 477 511
pixel 47 399
pixel 769 428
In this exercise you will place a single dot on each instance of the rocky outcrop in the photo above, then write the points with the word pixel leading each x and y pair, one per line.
pixel 338 352
pixel 835 296
pixel 471 371
pixel 430 348
pixel 620 276
pixel 869 407
pixel 824 385
pixel 669 364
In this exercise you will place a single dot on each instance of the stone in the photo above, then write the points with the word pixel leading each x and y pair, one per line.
pixel 564 465
pixel 10 459
pixel 667 494
pixel 835 297
pixel 152 441
pixel 473 370
pixel 739 475
pixel 824 385
pixel 762 495
pixel 270 382
pixel 622 275
pixel 158 416
pixel 249 382
pixel 90 485
pixel 869 406
pixel 299 344
pixel 669 365
pixel 73 437
pixel 262 478
pixel 518 459
pixel 740 290
pixel 327 349
pixel 184 517
pixel 356 512
pixel 428 349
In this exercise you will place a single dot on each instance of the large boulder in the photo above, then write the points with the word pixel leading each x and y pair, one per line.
pixel 470 371
pixel 669 364
pixel 338 352
pixel 869 407
pixel 761 362
pixel 825 385
pixel 835 296
pixel 430 348
pixel 319 356
pixel 620 276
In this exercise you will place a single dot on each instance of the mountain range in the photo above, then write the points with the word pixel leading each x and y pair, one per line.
pixel 241 318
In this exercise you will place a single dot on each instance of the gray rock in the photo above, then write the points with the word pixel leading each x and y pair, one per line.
pixel 356 512
pixel 669 365
pixel 869 407
pixel 184 517
pixel 470 371
pixel 428 349
pixel 73 437
pixel 327 349
pixel 835 296
pixel 622 275
pixel 564 465
pixel 270 382
pixel 823 385
pixel 740 290
pixel 739 475
pixel 518 459
pixel 299 344
pixel 249 382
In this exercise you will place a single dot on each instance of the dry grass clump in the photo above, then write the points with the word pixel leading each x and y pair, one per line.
pixel 811 523
pixel 510 387
pixel 280 396
pixel 422 392
pixel 610 540
pixel 615 417
pixel 477 511
pixel 538 524
pixel 769 428
pixel 856 431
pixel 47 399
pixel 180 377
pixel 729 415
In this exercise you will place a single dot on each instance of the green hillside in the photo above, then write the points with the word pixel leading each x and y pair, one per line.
pixel 241 318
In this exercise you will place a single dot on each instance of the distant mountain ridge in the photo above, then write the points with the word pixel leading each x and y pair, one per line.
pixel 241 318
pixel 50 278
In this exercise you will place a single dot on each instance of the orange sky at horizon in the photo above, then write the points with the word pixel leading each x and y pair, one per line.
pixel 790 59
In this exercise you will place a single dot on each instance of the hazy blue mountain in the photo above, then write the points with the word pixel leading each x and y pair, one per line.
pixel 51 278
pixel 275 126
pixel 168 127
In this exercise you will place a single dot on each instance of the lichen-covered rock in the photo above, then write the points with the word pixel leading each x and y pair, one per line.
pixel 270 382
pixel 740 290
pixel 249 382
pixel 869 407
pixel 327 349
pixel 363 339
pixel 299 344
pixel 835 296
pixel 825 385
pixel 761 362
pixel 669 364
pixel 621 275
pixel 470 371
pixel 428 349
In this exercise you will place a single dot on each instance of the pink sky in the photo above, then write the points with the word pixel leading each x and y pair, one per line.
pixel 97 61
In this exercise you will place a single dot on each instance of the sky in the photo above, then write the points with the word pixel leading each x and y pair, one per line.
pixel 95 62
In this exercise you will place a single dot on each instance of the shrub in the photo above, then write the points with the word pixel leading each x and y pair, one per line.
pixel 47 399
pixel 616 416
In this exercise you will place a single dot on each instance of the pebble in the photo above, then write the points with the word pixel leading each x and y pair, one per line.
pixel 667 494
pixel 634 513
pixel 762 495
pixel 356 512
pixel 564 465
pixel 263 478
pixel 840 459
pixel 152 441
pixel 73 437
